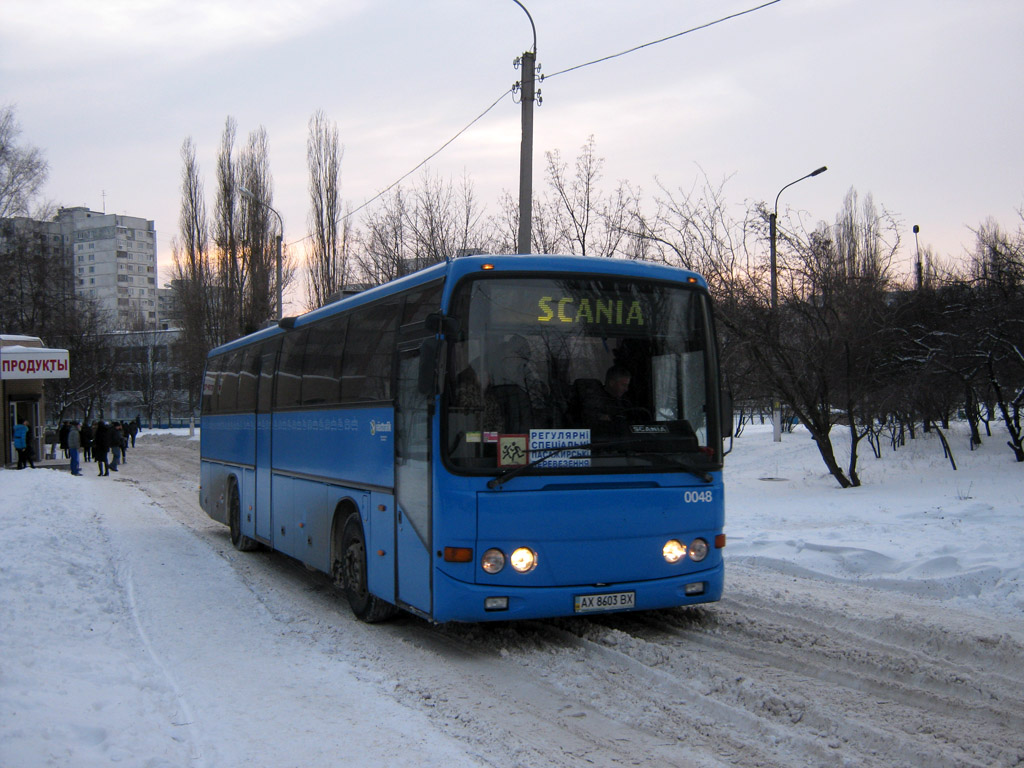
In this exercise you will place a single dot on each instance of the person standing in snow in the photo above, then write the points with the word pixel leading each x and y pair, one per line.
pixel 62 437
pixel 100 447
pixel 21 445
pixel 122 432
pixel 74 443
pixel 115 441
pixel 86 442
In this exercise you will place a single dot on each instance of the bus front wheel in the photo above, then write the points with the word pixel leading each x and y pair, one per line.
pixel 239 540
pixel 350 574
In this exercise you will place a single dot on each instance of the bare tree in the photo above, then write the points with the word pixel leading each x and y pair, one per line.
pixel 226 238
pixel 197 291
pixel 257 242
pixel 329 231
pixel 23 168
pixel 408 231
pixel 998 264
pixel 827 350
pixel 578 217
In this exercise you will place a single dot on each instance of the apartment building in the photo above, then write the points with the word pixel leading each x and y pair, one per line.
pixel 114 259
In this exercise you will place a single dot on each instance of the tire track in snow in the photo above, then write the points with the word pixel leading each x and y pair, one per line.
pixel 784 671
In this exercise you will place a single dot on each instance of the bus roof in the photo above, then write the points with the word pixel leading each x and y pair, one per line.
pixel 455 269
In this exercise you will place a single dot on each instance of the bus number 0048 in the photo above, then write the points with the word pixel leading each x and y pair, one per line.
pixel 691 497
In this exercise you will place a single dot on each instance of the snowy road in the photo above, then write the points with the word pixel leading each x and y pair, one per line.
pixel 235 659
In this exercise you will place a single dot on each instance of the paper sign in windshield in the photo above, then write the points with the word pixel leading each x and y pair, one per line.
pixel 547 440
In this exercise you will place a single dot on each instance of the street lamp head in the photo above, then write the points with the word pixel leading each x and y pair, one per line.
pixel 809 175
pixel 246 193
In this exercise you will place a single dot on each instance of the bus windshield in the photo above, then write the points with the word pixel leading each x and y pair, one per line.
pixel 621 369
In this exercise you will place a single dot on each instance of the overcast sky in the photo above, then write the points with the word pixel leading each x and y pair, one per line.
pixel 917 102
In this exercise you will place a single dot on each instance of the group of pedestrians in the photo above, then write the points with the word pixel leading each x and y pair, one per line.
pixel 106 443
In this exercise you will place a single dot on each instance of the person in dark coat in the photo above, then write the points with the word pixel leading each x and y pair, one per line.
pixel 100 447
pixel 115 438
pixel 133 429
pixel 86 441
pixel 62 437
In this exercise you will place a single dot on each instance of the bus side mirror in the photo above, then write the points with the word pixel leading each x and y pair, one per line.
pixel 435 322
pixel 727 414
pixel 429 349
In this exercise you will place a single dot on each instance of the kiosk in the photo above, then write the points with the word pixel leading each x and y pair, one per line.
pixel 24 363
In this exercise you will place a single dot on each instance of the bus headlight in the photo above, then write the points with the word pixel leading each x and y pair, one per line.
pixel 698 550
pixel 673 551
pixel 493 560
pixel 524 560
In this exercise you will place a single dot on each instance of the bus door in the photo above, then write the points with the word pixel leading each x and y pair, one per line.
pixel 264 423
pixel 412 480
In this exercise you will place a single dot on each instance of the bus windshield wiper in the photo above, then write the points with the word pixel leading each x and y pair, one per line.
pixel 685 466
pixel 508 474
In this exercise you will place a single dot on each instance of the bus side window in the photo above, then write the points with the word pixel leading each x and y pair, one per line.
pixel 228 384
pixel 320 370
pixel 366 369
pixel 268 360
pixel 289 372
pixel 210 399
pixel 420 304
pixel 248 377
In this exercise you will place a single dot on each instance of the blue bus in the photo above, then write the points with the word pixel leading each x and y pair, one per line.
pixel 495 437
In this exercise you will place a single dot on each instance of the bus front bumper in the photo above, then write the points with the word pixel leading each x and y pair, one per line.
pixel 458 601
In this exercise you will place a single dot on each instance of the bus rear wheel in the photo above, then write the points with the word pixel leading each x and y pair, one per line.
pixel 239 540
pixel 351 575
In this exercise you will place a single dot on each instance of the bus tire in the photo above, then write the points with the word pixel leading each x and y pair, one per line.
pixel 351 574
pixel 239 540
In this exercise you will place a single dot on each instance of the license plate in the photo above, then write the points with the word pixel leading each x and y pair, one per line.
pixel 612 601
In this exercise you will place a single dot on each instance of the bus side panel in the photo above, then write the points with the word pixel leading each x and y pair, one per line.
pixel 353 444
pixel 264 518
pixel 230 438
pixel 378 514
pixel 247 497
pixel 300 517
pixel 212 477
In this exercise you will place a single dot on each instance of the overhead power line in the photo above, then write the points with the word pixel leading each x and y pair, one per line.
pixel 662 40
pixel 423 162
pixel 479 117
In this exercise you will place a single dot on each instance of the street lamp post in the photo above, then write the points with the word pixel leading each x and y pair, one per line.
pixel 772 230
pixel 280 234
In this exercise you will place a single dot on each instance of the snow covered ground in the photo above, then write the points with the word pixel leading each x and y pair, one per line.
pixel 914 525
pixel 880 625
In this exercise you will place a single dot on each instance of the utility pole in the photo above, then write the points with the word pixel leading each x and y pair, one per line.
pixel 528 96
pixel 919 272
pixel 529 61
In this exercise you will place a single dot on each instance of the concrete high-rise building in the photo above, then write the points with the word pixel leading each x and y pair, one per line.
pixel 114 262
